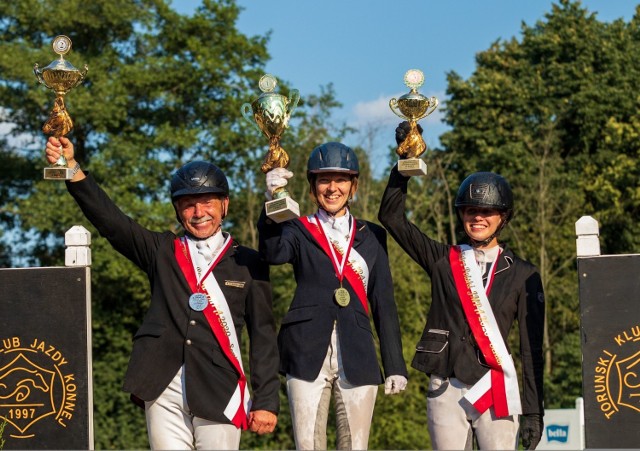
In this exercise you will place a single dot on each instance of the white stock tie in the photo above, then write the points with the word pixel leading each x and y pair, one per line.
pixel 204 253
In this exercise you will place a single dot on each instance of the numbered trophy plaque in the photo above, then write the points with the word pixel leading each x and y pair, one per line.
pixel 270 114
pixel 412 107
pixel 61 77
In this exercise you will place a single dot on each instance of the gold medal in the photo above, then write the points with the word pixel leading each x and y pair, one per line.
pixel 342 297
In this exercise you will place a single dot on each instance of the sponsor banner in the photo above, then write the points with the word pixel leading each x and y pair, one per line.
pixel 563 428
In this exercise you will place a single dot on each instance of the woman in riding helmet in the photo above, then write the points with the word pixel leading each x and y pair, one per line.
pixel 342 275
pixel 477 292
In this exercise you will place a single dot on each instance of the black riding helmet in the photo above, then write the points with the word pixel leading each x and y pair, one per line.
pixel 486 190
pixel 198 177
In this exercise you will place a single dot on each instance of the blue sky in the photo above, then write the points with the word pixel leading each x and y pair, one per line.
pixel 364 47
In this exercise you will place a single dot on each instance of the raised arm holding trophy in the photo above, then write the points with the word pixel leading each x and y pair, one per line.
pixel 270 114
pixel 60 76
pixel 412 107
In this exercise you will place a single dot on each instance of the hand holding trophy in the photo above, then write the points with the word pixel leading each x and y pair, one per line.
pixel 61 77
pixel 412 107
pixel 270 114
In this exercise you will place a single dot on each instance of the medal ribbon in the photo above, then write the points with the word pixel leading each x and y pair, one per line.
pixel 237 409
pixel 338 266
pixel 185 257
pixel 499 386
pixel 342 270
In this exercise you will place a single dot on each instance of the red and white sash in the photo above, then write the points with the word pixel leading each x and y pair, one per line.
pixel 354 270
pixel 218 315
pixel 499 386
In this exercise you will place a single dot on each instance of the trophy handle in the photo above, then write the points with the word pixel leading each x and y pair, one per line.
pixel 393 104
pixel 83 74
pixel 38 73
pixel 294 98
pixel 247 113
pixel 433 104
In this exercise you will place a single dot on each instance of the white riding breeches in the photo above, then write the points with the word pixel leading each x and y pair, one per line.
pixel 309 403
pixel 171 425
pixel 452 419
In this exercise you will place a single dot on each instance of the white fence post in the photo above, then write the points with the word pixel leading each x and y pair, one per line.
pixel 78 251
pixel 587 241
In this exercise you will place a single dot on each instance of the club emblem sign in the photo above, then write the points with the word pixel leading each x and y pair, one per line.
pixel 45 358
pixel 610 344
pixel 35 386
pixel 616 381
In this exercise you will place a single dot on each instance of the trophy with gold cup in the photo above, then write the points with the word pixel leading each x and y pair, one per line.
pixel 61 77
pixel 270 114
pixel 412 107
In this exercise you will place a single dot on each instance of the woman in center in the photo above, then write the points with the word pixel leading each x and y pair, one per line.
pixel 342 278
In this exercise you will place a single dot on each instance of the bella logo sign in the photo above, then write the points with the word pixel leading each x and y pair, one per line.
pixel 557 433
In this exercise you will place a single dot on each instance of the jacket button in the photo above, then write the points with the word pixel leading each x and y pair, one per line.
pixel 188 342
pixel 192 322
pixel 463 338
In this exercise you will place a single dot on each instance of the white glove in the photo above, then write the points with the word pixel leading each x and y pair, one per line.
pixel 276 178
pixel 394 384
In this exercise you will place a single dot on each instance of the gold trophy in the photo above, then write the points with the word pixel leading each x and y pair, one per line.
pixel 61 77
pixel 412 107
pixel 270 114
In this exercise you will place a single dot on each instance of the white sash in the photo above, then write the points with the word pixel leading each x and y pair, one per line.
pixel 219 303
pixel 491 330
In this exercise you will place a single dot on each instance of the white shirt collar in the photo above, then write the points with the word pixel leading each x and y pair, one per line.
pixel 214 242
pixel 340 224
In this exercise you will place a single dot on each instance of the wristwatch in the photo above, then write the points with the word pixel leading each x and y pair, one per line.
pixel 75 169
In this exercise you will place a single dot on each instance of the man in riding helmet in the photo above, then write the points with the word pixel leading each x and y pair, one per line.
pixel 477 292
pixel 342 278
pixel 185 368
